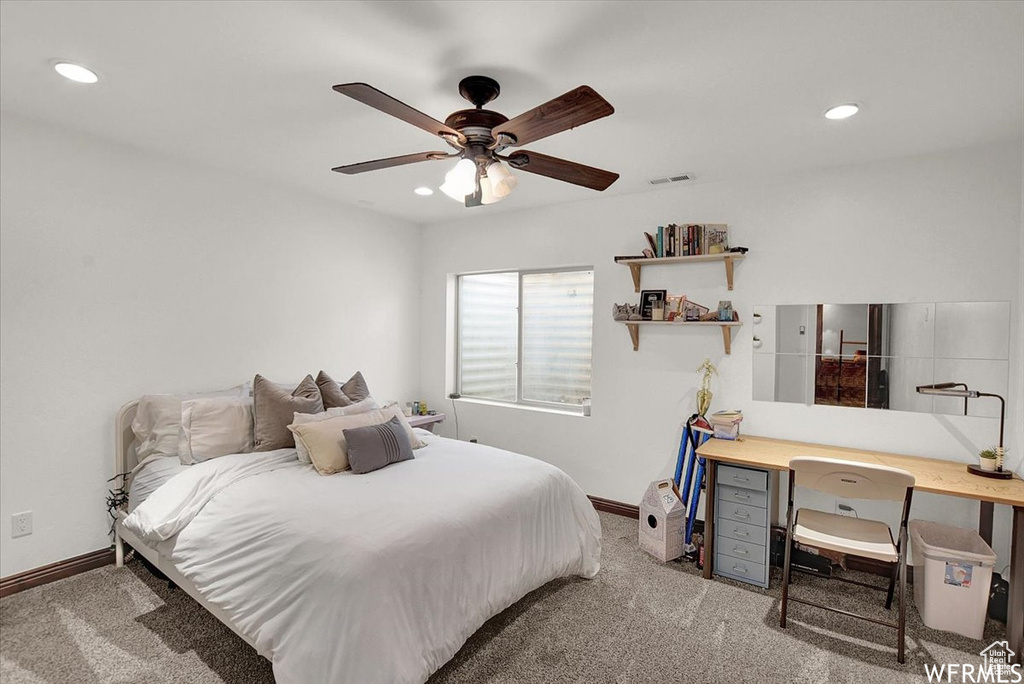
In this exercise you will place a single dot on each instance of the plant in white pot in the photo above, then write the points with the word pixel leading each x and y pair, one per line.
pixel 989 458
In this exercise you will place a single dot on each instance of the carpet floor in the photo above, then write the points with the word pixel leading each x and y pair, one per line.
pixel 638 621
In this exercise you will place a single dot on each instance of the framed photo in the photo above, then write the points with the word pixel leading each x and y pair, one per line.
pixel 694 311
pixel 648 298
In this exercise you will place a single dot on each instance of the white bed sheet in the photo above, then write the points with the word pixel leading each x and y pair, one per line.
pixel 149 475
pixel 370 578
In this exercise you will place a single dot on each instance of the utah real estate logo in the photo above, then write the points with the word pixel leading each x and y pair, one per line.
pixel 997 668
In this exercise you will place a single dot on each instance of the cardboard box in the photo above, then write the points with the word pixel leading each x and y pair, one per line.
pixel 662 521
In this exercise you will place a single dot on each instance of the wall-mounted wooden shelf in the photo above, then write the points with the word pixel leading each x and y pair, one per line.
pixel 635 265
pixel 726 326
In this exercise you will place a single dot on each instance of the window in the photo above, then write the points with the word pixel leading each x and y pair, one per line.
pixel 525 336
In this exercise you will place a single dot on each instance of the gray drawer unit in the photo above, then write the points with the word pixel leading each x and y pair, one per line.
pixel 746 507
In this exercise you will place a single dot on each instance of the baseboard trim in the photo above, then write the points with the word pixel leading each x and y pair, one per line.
pixel 55 571
pixel 615 507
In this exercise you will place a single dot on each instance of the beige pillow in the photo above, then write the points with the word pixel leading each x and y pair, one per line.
pixel 336 396
pixel 325 439
pixel 158 420
pixel 214 426
pixel 363 406
pixel 274 407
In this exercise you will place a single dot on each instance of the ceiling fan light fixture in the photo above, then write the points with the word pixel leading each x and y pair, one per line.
pixel 503 182
pixel 487 195
pixel 449 189
pixel 461 179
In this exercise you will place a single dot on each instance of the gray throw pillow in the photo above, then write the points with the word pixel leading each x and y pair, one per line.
pixel 336 395
pixel 274 409
pixel 374 446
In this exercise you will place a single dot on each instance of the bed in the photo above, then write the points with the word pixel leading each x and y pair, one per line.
pixel 360 578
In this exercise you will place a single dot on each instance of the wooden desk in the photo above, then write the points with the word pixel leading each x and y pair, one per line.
pixel 931 475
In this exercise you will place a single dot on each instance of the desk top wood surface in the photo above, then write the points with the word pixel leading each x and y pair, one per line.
pixel 931 474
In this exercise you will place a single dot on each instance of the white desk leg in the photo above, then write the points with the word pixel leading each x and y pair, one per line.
pixel 1015 607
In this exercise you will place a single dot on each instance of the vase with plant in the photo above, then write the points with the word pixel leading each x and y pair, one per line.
pixel 988 459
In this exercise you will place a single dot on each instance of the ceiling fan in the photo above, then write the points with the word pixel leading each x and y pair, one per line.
pixel 479 136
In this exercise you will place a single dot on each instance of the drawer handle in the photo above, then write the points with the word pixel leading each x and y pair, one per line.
pixel 740 479
pixel 741 514
pixel 741 496
pixel 739 569
pixel 738 532
pixel 738 550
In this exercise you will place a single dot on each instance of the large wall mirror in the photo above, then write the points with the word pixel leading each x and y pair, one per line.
pixel 876 355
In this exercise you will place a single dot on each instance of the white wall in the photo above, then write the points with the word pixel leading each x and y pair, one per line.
pixel 943 227
pixel 124 273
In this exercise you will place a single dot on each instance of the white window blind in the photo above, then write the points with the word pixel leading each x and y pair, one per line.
pixel 534 352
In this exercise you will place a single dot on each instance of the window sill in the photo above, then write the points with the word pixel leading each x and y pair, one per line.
pixel 578 413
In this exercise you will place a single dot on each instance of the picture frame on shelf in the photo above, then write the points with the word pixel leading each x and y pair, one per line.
pixel 648 300
pixel 694 311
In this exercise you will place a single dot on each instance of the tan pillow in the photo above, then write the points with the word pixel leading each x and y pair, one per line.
pixel 363 406
pixel 274 407
pixel 335 395
pixel 325 439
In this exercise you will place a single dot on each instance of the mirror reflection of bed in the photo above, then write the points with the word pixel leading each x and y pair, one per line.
pixel 875 355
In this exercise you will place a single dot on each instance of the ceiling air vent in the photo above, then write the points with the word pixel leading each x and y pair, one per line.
pixel 671 179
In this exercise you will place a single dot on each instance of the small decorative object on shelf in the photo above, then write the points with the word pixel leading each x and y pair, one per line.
pixel 694 312
pixel 625 312
pixel 704 393
pixel 725 310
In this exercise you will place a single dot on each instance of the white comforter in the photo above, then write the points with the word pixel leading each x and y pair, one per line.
pixel 370 578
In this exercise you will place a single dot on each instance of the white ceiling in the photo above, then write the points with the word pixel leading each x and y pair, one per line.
pixel 719 90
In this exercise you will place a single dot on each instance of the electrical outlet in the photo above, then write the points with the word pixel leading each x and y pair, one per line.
pixel 21 524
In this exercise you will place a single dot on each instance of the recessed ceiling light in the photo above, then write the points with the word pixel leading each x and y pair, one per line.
pixel 423 191
pixel 75 72
pixel 843 111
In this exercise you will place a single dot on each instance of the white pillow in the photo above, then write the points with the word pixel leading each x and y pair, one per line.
pixel 363 406
pixel 214 426
pixel 158 419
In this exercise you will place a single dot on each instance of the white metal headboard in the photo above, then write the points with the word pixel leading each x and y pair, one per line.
pixel 125 455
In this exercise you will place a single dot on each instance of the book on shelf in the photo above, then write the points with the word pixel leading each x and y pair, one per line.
pixel 717 237
pixel 692 239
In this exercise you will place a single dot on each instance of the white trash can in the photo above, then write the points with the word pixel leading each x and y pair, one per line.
pixel 952 577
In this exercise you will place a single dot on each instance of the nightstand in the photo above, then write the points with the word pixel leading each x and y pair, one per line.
pixel 426 422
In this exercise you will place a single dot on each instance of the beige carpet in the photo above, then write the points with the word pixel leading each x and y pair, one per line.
pixel 638 621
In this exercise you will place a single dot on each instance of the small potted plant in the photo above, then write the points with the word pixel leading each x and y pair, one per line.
pixel 988 459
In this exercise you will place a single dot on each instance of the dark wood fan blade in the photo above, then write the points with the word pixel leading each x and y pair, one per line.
pixel 369 95
pixel 362 167
pixel 560 169
pixel 572 109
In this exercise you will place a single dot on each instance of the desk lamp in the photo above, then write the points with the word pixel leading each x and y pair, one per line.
pixel 959 389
